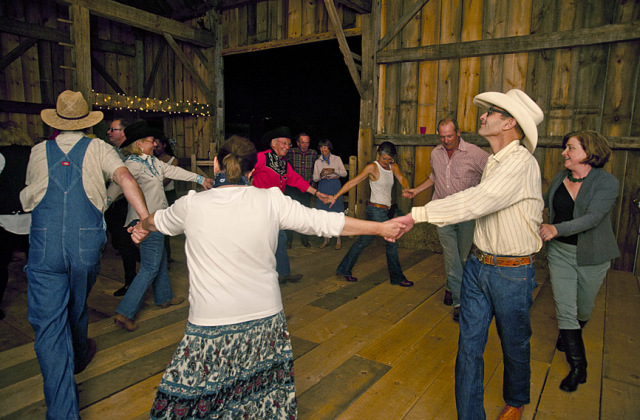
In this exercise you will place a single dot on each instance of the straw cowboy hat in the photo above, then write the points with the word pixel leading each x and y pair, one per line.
pixel 71 113
pixel 517 103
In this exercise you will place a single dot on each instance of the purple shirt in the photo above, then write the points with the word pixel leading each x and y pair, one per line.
pixel 462 171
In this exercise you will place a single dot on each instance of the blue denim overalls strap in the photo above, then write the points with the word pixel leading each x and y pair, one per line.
pixel 66 242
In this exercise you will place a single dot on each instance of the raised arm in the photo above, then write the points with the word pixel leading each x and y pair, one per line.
pixel 370 169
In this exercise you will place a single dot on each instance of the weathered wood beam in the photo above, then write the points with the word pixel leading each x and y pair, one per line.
pixel 288 42
pixel 17 52
pixel 404 20
pixel 144 20
pixel 515 44
pixel 106 76
pixel 81 40
pixel 342 42
pixel 16 27
pixel 190 68
pixel 154 70
pixel 360 6
pixel 18 107
pixel 625 143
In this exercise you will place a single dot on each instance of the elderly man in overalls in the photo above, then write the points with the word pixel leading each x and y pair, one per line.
pixel 67 196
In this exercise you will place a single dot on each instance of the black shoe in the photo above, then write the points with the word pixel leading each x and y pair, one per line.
pixel 121 291
pixel 306 244
pixel 91 351
pixel 575 353
pixel 291 278
pixel 559 345
pixel 448 298
pixel 404 283
pixel 456 314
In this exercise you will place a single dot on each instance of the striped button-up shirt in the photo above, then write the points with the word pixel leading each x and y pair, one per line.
pixel 507 205
pixel 302 163
pixel 461 171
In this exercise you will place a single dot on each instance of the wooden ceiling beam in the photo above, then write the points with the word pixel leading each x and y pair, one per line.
pixel 342 42
pixel 147 21
pixel 16 27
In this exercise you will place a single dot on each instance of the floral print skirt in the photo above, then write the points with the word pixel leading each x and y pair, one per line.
pixel 238 371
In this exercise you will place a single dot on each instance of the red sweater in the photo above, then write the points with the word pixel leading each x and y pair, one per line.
pixel 272 171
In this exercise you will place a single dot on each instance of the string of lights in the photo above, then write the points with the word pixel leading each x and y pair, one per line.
pixel 118 102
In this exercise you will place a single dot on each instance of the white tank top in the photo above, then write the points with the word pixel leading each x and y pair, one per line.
pixel 170 186
pixel 381 189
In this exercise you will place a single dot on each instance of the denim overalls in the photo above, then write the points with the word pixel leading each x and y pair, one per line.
pixel 66 242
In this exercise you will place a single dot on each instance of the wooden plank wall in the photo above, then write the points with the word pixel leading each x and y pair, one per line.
pixel 276 23
pixel 590 87
pixel 45 70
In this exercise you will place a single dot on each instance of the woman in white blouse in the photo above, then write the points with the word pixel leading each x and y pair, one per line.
pixel 327 171
pixel 150 173
pixel 235 360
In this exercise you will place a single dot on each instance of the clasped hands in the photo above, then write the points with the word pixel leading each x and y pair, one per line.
pixel 138 234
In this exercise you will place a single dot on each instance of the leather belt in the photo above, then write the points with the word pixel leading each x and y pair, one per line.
pixel 380 206
pixel 502 260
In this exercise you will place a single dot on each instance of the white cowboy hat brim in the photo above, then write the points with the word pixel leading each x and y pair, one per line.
pixel 52 119
pixel 517 103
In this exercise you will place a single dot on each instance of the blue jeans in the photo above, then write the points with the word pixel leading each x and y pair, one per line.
pixel 393 261
pixel 153 270
pixel 66 241
pixel 282 259
pixel 506 293
pixel 456 241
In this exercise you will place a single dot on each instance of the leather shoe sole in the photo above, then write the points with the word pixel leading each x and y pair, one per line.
pixel 404 283
pixel 121 291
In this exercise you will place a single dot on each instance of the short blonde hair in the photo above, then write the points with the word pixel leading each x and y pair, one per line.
pixel 132 149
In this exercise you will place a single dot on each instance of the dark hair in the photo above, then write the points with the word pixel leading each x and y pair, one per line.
pixel 447 120
pixel 168 149
pixel 327 143
pixel 236 157
pixel 302 134
pixel 124 123
pixel 594 144
pixel 387 148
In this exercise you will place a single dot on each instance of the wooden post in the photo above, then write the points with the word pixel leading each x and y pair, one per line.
pixel 352 201
pixel 81 39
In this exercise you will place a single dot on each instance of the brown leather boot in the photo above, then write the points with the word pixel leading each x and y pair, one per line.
pixel 511 413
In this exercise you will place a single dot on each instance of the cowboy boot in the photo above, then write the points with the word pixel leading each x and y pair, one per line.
pixel 559 345
pixel 574 350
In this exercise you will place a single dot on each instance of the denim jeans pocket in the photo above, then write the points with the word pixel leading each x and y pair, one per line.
pixel 91 242
pixel 37 246
pixel 514 273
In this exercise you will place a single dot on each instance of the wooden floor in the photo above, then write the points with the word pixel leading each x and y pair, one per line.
pixel 364 350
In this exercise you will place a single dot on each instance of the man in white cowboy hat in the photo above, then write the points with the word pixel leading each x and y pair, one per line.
pixel 498 277
pixel 65 190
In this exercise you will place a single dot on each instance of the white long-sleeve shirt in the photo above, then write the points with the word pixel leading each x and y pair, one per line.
pixel 231 238
pixel 507 204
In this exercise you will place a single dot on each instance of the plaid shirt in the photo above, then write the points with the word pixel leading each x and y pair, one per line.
pixel 302 162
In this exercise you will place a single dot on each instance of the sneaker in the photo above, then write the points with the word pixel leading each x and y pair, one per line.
pixel 456 314
pixel 448 298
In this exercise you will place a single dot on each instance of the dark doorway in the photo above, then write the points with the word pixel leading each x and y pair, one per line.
pixel 307 88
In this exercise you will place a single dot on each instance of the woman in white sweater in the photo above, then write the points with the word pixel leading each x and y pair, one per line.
pixel 235 360
pixel 150 173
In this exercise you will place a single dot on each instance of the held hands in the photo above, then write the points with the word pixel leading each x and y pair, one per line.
pixel 548 232
pixel 323 197
pixel 331 201
pixel 406 222
pixel 138 234
pixel 207 184
pixel 392 230
pixel 326 172
pixel 409 193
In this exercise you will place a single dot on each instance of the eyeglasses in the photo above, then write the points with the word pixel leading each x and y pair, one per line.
pixel 491 110
pixel 115 129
